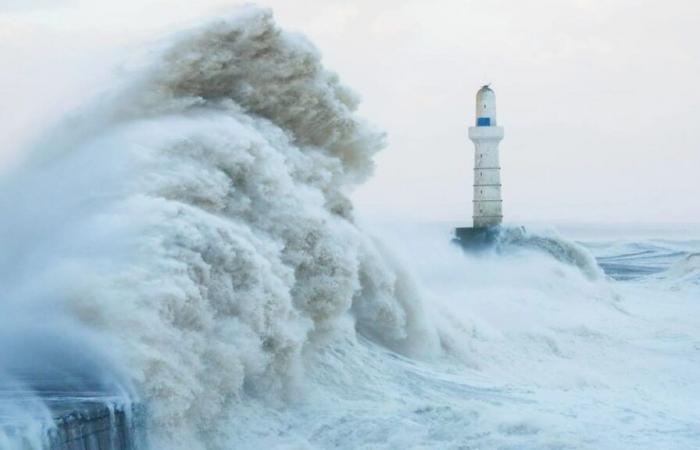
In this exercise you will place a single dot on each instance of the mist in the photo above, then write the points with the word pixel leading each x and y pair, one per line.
pixel 595 95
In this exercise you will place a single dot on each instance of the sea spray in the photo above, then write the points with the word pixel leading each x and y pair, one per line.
pixel 203 225
pixel 193 229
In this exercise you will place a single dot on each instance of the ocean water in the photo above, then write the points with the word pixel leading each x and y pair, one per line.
pixel 187 242
pixel 543 356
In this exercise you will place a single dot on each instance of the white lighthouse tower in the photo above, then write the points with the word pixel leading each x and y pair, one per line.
pixel 487 170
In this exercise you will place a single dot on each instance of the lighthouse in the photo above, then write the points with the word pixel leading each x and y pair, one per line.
pixel 487 203
pixel 486 134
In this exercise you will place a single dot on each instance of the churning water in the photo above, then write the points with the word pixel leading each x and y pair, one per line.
pixel 187 242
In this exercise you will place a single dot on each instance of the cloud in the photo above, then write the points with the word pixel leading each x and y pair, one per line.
pixel 32 5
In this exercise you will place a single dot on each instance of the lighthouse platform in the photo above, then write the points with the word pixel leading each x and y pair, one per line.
pixel 476 238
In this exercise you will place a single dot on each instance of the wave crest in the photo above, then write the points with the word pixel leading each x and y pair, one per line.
pixel 221 238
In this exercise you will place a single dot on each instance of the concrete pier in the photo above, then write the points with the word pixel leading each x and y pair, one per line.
pixel 73 424
pixel 95 426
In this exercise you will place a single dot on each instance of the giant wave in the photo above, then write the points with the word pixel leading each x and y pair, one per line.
pixel 187 241
pixel 199 218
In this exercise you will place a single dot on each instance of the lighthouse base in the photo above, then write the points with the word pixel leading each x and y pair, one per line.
pixel 476 238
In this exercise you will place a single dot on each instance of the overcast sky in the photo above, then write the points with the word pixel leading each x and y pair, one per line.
pixel 600 99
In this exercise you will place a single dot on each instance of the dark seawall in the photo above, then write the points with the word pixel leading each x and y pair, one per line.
pixel 96 426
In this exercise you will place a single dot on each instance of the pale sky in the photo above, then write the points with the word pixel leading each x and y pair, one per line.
pixel 600 99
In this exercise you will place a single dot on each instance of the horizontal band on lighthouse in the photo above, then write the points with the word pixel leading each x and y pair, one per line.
pixel 487 168
pixel 482 185
pixel 481 201
pixel 481 217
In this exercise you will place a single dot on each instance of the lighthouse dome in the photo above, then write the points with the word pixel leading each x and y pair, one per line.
pixel 485 107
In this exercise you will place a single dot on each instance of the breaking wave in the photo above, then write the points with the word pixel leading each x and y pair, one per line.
pixel 199 218
pixel 685 269
pixel 549 242
pixel 190 239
